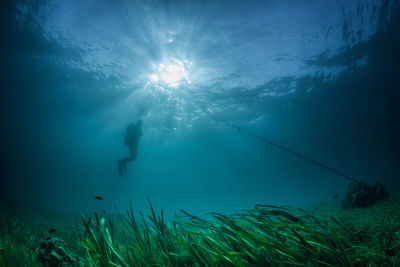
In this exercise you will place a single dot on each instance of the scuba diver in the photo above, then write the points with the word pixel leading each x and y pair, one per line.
pixel 132 136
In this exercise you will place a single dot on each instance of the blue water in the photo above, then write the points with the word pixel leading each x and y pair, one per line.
pixel 318 77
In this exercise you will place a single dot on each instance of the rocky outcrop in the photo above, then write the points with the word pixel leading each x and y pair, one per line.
pixel 361 195
pixel 53 252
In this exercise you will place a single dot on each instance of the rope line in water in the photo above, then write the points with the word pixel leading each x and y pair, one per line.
pixel 295 153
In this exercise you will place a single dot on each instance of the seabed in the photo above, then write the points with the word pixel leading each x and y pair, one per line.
pixel 262 236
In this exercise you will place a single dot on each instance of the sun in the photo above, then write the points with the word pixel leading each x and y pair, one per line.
pixel 171 74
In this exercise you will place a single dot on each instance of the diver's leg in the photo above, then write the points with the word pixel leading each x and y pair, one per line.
pixel 123 163
pixel 132 155
pixel 126 160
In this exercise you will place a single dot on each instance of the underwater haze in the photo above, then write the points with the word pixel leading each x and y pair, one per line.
pixel 214 82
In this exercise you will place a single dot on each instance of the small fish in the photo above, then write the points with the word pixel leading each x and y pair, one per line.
pixel 335 196
pixel 98 197
pixel 52 230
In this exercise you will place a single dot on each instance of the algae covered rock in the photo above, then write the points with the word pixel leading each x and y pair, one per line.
pixel 53 251
pixel 361 195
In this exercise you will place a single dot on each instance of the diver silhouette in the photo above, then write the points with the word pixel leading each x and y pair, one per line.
pixel 132 136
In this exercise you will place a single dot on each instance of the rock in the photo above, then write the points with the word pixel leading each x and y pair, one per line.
pixel 361 195
pixel 381 193
pixel 53 252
